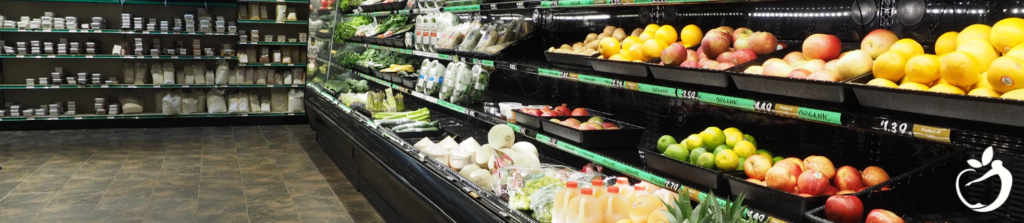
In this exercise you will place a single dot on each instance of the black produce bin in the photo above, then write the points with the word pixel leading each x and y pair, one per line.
pixel 770 200
pixel 707 77
pixel 420 135
pixel 533 122
pixel 393 5
pixel 409 82
pixel 976 108
pixel 570 59
pixel 627 136
pixel 699 178
pixel 619 67
pixel 798 88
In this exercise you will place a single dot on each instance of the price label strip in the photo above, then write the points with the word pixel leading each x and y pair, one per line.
pixel 607 82
pixel 655 89
pixel 451 106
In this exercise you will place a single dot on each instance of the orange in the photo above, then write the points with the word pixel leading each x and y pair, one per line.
pixel 691 35
pixel 1007 34
pixel 945 88
pixel 913 86
pixel 608 47
pixel 973 32
pixel 618 57
pixel 889 66
pixel 981 50
pixel 907 48
pixel 984 92
pixel 636 52
pixel 646 36
pixel 651 28
pixel 946 43
pixel 629 41
pixel 652 49
pixel 1006 74
pixel 923 68
pixel 959 69
pixel 666 34
pixel 882 83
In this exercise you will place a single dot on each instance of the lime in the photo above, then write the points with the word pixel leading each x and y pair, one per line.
pixel 712 137
pixel 664 141
pixel 727 160
pixel 731 130
pixel 677 152
pixel 706 160
pixel 744 149
pixel 739 164
pixel 750 139
pixel 692 142
pixel 777 159
pixel 719 149
pixel 732 138
pixel 695 153
pixel 763 152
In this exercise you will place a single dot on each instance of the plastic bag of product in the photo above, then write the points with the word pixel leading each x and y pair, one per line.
pixel 520 182
pixel 158 105
pixel 278 78
pixel 298 76
pixel 254 103
pixel 131 102
pixel 542 202
pixel 239 73
pixel 261 76
pixel 189 105
pixel 271 77
pixel 287 77
pixel 171 104
pixel 199 72
pixel 482 79
pixel 167 70
pixel 295 104
pixel 215 101
pixel 462 85
pixel 496 48
pixel 243 102
pixel 448 83
pixel 157 72
pixel 140 73
pixel 179 76
pixel 129 73
pixel 421 82
pixel 472 38
pixel 278 99
pixel 249 73
pixel 265 104
pixel 189 77
pixel 200 97
pixel 221 74
pixel 233 103
pixel 210 78
pixel 488 37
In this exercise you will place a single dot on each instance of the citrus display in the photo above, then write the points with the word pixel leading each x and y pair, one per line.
pixel 630 41
pixel 973 32
pixel 1006 34
pixel 636 52
pixel 652 49
pixel 608 47
pixel 959 68
pixel 646 36
pixel 693 141
pixel 666 34
pixel 890 66
pixel 706 160
pixel 651 28
pixel 744 149
pixel 946 43
pixel 691 35
pixel 980 83
pixel 946 88
pixel 664 142
pixel 923 68
pixel 727 160
pixel 1005 74
pixel 712 137
pixel 981 50
pixel 695 154
pixel 913 86
pixel 882 83
pixel 677 152
pixel 907 48
pixel 984 92
pixel 1014 94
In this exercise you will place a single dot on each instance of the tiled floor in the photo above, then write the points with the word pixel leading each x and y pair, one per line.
pixel 213 174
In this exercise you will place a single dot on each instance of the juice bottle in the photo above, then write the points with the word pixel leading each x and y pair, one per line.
pixel 562 199
pixel 598 185
pixel 614 206
pixel 624 188
pixel 584 208
pixel 638 189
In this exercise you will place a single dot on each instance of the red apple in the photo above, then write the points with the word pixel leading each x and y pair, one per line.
pixel 814 65
pixel 710 64
pixel 824 75
pixel 674 55
pixel 580 112
pixel 846 192
pixel 874 175
pixel 743 56
pixel 573 121
pixel 691 55
pixel 848 178
pixel 608 125
pixel 821 164
pixel 763 43
pixel 882 216
pixel 799 74
pixel 756 166
pixel 777 69
pixel 821 46
pixel 831 190
pixel 878 42
pixel 741 32
pixel 727 30
pixel 689 64
pixel 780 178
pixel 793 168
pixel 741 43
pixel 844 209
pixel 724 57
pixel 812 182
pixel 774 60
pixel 794 56
pixel 700 54
pixel 715 43
pixel 724 65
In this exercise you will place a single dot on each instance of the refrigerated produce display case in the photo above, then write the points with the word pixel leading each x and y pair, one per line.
pixel 749 111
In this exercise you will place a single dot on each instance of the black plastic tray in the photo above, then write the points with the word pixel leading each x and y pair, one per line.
pixel 533 122
pixel 627 136
pixel 393 5
pixel 798 88
pixel 409 82
pixel 420 135
pixel 699 178
pixel 570 59
pixel 770 200
pixel 980 109
pixel 619 67
pixel 362 69
pixel 707 77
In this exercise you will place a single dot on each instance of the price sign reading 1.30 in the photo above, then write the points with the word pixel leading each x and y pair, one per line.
pixel 896 127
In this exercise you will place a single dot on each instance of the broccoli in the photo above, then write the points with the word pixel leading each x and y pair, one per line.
pixel 360 86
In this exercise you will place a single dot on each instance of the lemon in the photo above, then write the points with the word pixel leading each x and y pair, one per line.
pixel 1014 94
pixel 744 149
pixel 940 81
pixel 618 57
pixel 727 160
pixel 666 34
pixel 890 66
pixel 646 36
pixel 693 141
pixel 973 32
pixel 981 50
pixel 881 82
pixel 696 153
pixel 907 48
pixel 652 49
pixel 946 43
pixel 923 68
pixel 984 92
pixel 608 47
pixel 1006 74
pixel 629 41
pixel 1007 34
pixel 945 88
pixel 732 138
pixel 913 86
pixel 712 137
pixel 982 81
pixel 651 28
pixel 1016 52
pixel 730 130
pixel 959 68
pixel 691 35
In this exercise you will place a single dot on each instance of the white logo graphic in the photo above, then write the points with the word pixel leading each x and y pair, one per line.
pixel 1005 179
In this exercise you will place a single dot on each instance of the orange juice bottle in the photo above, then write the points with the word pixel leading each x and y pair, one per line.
pixel 598 185
pixel 585 208
pixel 614 206
pixel 638 189
pixel 562 199
pixel 624 188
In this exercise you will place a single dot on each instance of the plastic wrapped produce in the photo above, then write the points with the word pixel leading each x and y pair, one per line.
pixel 448 82
pixel 488 37
pixel 436 78
pixel 215 101
pixel 482 80
pixel 472 39
pixel 462 86
pixel 421 82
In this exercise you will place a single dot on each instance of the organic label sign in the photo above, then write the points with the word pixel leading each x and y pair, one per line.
pixel 596 80
pixel 451 106
pixel 655 89
pixel 735 102
pixel 549 73
pixel 820 115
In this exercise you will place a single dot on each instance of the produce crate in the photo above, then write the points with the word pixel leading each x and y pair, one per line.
pixel 533 122
pixel 707 77
pixel 619 67
pixel 980 109
pixel 627 136
pixel 771 200
pixel 409 82
pixel 569 59
pixel 798 88
pixel 691 175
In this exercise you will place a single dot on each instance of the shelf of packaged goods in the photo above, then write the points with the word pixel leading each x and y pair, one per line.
pixel 570 148
pixel 107 56
pixel 273 43
pixel 277 1
pixel 273 22
pixel 116 31
pixel 144 86
pixel 142 116
pixel 271 64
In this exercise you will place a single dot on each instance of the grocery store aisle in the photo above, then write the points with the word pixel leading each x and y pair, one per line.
pixel 211 174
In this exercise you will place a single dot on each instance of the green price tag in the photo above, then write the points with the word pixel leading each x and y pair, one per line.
pixel 571 3
pixel 451 106
pixel 546 4
pixel 642 1
pixel 596 80
pixel 444 56
pixel 658 90
pixel 542 138
pixel 820 115
pixel 735 102
pixel 484 62
pixel 462 8
pixel 516 128
pixel 550 73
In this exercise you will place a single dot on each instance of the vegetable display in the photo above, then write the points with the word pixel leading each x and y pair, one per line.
pixel 346 86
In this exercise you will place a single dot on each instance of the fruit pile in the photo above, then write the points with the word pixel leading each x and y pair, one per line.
pixel 643 44
pixel 594 123
pixel 730 148
pixel 980 61
pixel 820 60
pixel 562 110
pixel 811 176
pixel 848 209
pixel 589 45
pixel 721 48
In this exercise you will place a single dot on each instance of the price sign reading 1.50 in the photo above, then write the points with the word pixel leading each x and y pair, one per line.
pixel 897 127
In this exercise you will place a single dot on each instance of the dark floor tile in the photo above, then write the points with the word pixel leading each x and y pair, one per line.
pixel 123 203
pixel 86 186
pixel 304 202
pixel 20 210
pixel 170 217
pixel 180 169
pixel 90 173
pixel 223 218
pixel 63 198
pixel 309 188
pixel 174 205
pixel 176 190
pixel 38 197
pixel 109 215
pixel 42 184
pixel 216 208
pixel 66 211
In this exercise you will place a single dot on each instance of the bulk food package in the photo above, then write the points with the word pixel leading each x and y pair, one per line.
pixel 457 83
